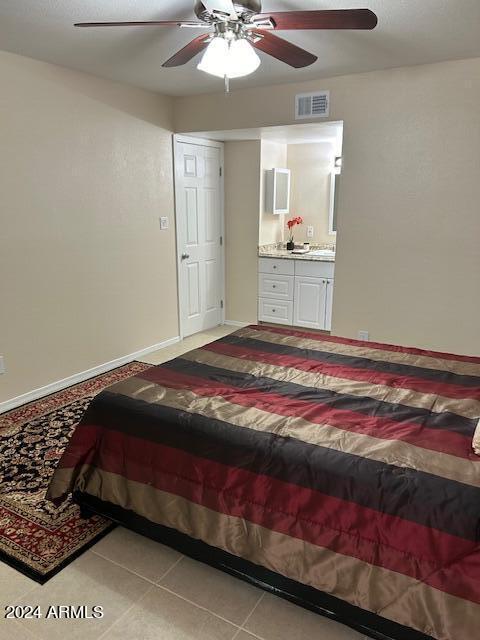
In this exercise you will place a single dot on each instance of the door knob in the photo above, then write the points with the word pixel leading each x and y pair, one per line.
pixel 185 256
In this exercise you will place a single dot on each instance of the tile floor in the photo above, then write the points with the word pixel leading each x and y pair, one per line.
pixel 150 592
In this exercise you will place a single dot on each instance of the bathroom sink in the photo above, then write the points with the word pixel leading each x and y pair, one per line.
pixel 322 253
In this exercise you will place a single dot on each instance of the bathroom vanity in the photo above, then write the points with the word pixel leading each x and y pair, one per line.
pixel 295 290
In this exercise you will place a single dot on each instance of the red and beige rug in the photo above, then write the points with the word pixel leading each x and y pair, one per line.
pixel 36 537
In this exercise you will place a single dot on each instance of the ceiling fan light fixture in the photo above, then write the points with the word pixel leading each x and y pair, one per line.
pixel 229 57
pixel 215 57
pixel 242 59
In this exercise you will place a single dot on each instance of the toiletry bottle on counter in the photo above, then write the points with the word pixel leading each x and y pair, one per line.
pixel 306 246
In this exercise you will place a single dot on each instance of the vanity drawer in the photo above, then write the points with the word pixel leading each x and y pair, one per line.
pixel 276 266
pixel 273 286
pixel 279 311
pixel 314 269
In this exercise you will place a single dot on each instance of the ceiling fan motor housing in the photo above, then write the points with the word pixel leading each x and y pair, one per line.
pixel 244 8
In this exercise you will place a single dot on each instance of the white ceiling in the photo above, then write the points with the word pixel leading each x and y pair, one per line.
pixel 409 32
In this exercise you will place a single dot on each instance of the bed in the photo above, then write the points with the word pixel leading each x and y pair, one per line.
pixel 339 474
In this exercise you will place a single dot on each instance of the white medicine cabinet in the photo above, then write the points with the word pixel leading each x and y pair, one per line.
pixel 277 191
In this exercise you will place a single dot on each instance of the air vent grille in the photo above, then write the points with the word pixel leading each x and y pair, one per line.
pixel 312 105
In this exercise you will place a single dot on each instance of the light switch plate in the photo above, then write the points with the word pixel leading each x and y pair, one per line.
pixel 2 365
pixel 164 223
pixel 364 335
pixel 309 231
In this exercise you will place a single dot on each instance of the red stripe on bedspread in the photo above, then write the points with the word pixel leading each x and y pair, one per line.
pixel 404 546
pixel 432 439
pixel 367 345
pixel 349 373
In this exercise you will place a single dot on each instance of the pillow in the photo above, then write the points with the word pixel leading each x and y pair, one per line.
pixel 476 439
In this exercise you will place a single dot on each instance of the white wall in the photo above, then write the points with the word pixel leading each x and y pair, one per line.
pixel 86 276
pixel 408 246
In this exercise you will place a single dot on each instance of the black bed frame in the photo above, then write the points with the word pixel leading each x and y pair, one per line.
pixel 362 621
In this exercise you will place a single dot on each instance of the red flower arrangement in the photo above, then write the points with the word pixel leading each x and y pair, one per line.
pixel 291 224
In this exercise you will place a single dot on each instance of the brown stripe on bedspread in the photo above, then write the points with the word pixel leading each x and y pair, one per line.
pixel 413 495
pixel 394 452
pixel 467 408
pixel 325 401
pixel 350 368
pixel 363 351
pixel 386 593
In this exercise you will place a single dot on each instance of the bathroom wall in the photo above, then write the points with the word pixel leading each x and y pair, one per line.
pixel 273 156
pixel 311 165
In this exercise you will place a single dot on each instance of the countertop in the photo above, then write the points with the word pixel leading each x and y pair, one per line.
pixel 269 252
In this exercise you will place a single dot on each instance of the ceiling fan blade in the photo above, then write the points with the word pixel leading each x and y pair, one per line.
pixel 216 7
pixel 154 23
pixel 187 53
pixel 326 19
pixel 283 50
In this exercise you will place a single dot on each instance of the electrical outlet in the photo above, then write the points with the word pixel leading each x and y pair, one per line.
pixel 364 335
pixel 309 231
pixel 163 223
pixel 2 365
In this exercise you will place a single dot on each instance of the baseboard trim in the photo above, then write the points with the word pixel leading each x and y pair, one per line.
pixel 235 323
pixel 13 403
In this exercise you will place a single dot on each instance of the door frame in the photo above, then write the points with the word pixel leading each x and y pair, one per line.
pixel 179 139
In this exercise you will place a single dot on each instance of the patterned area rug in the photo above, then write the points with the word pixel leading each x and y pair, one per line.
pixel 36 537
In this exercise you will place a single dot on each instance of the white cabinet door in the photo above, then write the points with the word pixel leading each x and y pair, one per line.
pixel 329 306
pixel 310 302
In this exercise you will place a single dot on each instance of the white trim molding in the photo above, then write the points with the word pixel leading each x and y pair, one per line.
pixel 13 403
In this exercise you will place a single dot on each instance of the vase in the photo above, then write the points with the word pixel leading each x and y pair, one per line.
pixel 290 245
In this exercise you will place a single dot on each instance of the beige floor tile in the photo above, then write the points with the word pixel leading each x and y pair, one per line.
pixel 13 585
pixel 188 344
pixel 11 630
pixel 144 557
pixel 277 619
pixel 225 595
pixel 161 615
pixel 88 581
pixel 244 635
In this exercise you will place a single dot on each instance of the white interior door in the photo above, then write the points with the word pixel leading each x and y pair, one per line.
pixel 199 211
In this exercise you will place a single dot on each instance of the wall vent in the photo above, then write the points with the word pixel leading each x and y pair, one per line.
pixel 312 105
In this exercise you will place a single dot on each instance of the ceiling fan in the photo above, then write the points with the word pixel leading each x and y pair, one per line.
pixel 237 28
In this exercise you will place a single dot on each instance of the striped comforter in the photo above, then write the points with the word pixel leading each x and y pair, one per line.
pixel 343 465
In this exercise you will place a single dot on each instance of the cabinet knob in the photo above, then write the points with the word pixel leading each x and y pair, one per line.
pixel 274 266
pixel 274 286
pixel 273 310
